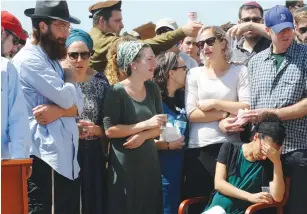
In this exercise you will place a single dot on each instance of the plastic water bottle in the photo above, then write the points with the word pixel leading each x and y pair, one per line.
pixel 181 122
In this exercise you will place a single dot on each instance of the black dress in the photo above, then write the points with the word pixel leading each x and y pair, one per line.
pixel 91 156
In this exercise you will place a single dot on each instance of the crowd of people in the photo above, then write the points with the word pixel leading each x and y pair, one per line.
pixel 89 109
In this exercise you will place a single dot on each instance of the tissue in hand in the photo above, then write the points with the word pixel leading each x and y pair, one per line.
pixel 170 132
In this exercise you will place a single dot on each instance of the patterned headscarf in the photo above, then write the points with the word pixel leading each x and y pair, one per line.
pixel 79 35
pixel 127 51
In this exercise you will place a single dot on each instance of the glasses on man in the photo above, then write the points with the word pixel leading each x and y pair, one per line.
pixel 253 19
pixel 163 30
pixel 75 55
pixel 15 38
pixel 63 28
pixel 210 42
pixel 298 6
pixel 302 30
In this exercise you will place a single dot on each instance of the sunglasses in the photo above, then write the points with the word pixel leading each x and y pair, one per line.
pixel 254 19
pixel 75 55
pixel 184 67
pixel 302 30
pixel 15 38
pixel 163 30
pixel 210 42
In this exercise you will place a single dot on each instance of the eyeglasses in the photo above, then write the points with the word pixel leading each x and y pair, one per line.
pixel 253 19
pixel 298 6
pixel 75 55
pixel 184 67
pixel 302 30
pixel 163 30
pixel 15 38
pixel 210 42
pixel 63 28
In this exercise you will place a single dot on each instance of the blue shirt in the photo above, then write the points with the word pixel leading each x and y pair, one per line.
pixel 15 132
pixel 42 81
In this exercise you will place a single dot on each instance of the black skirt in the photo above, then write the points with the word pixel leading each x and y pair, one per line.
pixel 92 163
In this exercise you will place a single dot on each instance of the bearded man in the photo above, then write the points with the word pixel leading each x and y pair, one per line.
pixel 53 100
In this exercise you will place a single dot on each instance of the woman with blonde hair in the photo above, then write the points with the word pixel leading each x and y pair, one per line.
pixel 213 92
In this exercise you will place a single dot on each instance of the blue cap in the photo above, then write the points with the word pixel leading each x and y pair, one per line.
pixel 279 18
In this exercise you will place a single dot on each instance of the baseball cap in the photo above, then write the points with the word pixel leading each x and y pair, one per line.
pixel 11 23
pixel 279 18
pixel 166 23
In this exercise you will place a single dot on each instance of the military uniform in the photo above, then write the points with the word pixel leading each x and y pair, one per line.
pixel 103 42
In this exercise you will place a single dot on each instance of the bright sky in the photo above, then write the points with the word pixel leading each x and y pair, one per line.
pixel 136 13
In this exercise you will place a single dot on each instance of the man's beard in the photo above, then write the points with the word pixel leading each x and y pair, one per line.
pixel 252 37
pixel 54 49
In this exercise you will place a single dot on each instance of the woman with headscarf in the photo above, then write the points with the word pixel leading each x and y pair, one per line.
pixel 170 75
pixel 132 120
pixel 90 155
pixel 112 72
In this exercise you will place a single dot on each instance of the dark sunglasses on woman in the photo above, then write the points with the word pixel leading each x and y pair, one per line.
pixel 75 55
pixel 210 42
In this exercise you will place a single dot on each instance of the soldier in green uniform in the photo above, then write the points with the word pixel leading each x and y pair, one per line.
pixel 107 24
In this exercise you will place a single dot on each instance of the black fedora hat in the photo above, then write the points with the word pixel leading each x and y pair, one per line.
pixel 51 9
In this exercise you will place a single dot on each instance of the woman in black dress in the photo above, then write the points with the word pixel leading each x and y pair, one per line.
pixel 91 156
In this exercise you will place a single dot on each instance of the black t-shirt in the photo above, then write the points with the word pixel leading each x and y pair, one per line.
pixel 228 155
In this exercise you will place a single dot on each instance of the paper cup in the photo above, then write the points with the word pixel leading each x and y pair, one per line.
pixel 192 17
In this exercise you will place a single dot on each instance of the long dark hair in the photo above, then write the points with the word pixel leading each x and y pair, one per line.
pixel 165 62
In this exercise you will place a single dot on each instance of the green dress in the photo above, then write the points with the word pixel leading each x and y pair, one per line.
pixel 134 176
pixel 248 178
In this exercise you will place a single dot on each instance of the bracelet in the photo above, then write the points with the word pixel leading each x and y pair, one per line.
pixel 167 143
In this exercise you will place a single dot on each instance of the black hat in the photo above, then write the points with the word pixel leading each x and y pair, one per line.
pixel 98 7
pixel 51 9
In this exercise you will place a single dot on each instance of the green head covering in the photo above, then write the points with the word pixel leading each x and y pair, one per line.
pixel 127 52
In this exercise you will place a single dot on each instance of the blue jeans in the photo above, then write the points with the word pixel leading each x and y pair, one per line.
pixel 171 169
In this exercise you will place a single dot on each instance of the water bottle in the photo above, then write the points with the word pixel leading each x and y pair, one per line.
pixel 181 122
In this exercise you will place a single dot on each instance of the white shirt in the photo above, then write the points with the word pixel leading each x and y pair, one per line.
pixel 233 86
